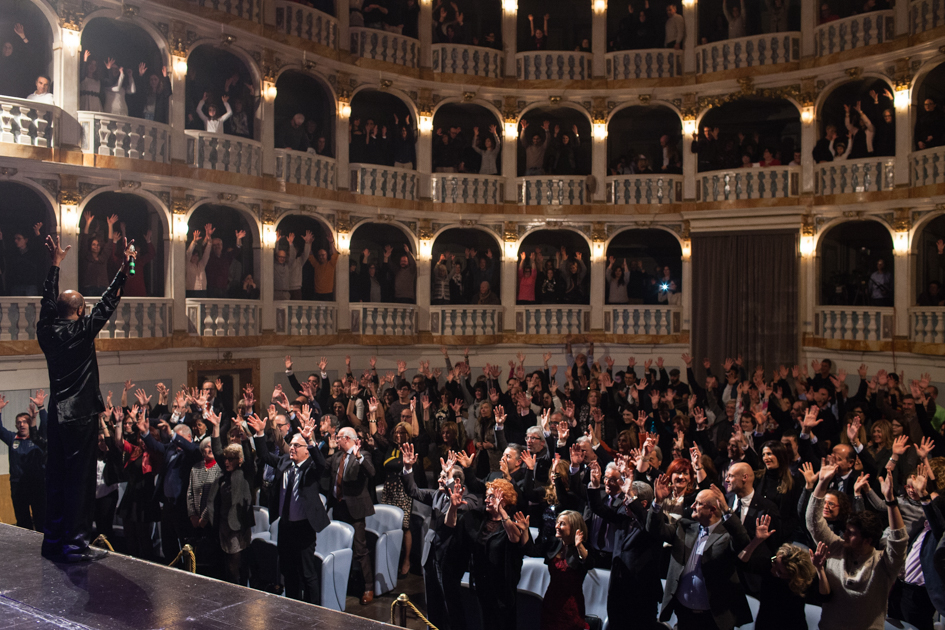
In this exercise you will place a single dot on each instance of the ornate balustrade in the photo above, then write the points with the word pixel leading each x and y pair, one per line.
pixel 855 31
pixel 656 63
pixel 224 152
pixel 391 320
pixel 467 188
pixel 928 166
pixel 925 15
pixel 854 323
pixel 639 319
pixel 28 122
pixel 772 182
pixel 855 176
pixel 748 52
pixel 555 65
pixel 246 9
pixel 380 45
pixel 927 324
pixel 138 318
pixel 469 60
pixel 552 190
pixel 552 319
pixel 462 321
pixel 307 168
pixel 306 318
pixel 18 317
pixel 293 18
pixel 385 181
pixel 223 318
pixel 125 137
pixel 644 189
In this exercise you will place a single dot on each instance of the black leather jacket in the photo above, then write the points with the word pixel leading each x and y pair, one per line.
pixel 69 346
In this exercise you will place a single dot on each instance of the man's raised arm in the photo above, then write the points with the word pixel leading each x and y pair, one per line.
pixel 48 309
pixel 102 311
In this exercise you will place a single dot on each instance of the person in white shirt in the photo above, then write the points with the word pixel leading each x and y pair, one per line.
pixel 675 28
pixel 42 93
pixel 115 94
pixel 213 123
pixel 736 20
pixel 197 263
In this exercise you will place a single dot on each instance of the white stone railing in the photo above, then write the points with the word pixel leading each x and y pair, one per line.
pixel 925 15
pixel 385 181
pixel 28 122
pixel 223 318
pixel 644 189
pixel 383 46
pixel 771 182
pixel 551 190
pixel 556 65
pixel 855 176
pixel 855 31
pixel 470 60
pixel 928 166
pixel 748 52
pixel 927 324
pixel 467 188
pixel 224 152
pixel 553 319
pixel 383 319
pixel 854 323
pixel 459 321
pixel 306 318
pixel 246 9
pixel 637 319
pixel 138 318
pixel 126 137
pixel 293 18
pixel 303 167
pixel 655 63
pixel 18 318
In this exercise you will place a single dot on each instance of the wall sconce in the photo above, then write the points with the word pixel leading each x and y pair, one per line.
pixel 425 122
pixel 269 234
pixel 688 4
pixel 425 251
pixel 510 6
pixel 902 97
pixel 344 107
pixel 901 243
pixel 807 115
pixel 270 91
pixel 599 129
pixel 511 130
pixel 70 216
pixel 344 242
pixel 180 67
pixel 597 251
pixel 71 39
pixel 511 250
pixel 600 6
pixel 686 249
pixel 689 126
pixel 180 227
pixel 807 245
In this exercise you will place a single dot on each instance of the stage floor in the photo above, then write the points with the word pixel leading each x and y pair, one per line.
pixel 121 592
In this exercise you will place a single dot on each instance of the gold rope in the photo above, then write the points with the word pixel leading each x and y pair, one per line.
pixel 104 542
pixel 189 559
pixel 403 599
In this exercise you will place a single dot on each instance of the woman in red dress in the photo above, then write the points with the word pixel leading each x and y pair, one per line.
pixel 566 556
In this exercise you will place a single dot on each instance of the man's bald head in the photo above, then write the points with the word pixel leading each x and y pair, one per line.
pixel 349 433
pixel 740 479
pixel 71 305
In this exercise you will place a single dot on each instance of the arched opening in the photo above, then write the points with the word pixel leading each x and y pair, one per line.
pixel 305 259
pixel 857 120
pixel 544 25
pixel 25 220
pixel 478 24
pixel 930 263
pixel 644 267
pixel 221 254
pixel 929 120
pixel 555 269
pixel 554 141
pixel 123 71
pixel 466 140
pixel 464 259
pixel 25 48
pixel 643 140
pixel 381 130
pixel 856 265
pixel 222 93
pixel 300 95
pixel 107 219
pixel 388 265
pixel 749 132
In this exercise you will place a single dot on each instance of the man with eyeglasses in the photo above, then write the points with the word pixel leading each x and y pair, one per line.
pixel 298 506
pixel 351 475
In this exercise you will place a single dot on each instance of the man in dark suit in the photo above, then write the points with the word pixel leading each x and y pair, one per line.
pixel 747 506
pixel 634 592
pixel 441 570
pixel 702 586
pixel 601 532
pixel 299 508
pixel 351 477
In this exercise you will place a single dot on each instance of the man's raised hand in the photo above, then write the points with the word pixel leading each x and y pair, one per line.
pixel 55 251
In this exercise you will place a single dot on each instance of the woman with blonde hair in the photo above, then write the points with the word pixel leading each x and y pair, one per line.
pixel 566 556
pixel 553 499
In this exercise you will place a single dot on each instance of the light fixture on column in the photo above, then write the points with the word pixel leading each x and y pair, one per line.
pixel 269 234
pixel 807 236
pixel 269 90
pixel 807 114
pixel 901 243
pixel 179 209
pixel 510 6
pixel 425 249
pixel 511 128
pixel 71 38
pixel 902 97
pixel 599 129
pixel 344 105
pixel 688 4
pixel 689 125
pixel 344 240
pixel 69 210
pixel 425 121
pixel 600 6
pixel 180 67
pixel 686 249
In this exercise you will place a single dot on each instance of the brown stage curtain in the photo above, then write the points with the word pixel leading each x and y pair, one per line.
pixel 744 299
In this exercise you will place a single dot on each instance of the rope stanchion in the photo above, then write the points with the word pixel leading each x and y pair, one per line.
pixel 101 541
pixel 188 559
pixel 401 604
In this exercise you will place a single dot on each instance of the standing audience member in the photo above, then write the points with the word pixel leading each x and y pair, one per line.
pixel 27 456
pixel 675 28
